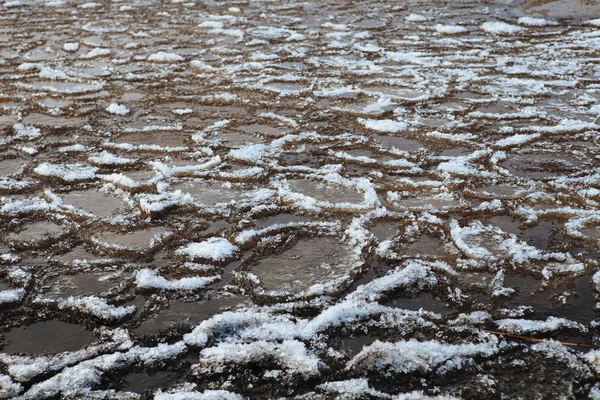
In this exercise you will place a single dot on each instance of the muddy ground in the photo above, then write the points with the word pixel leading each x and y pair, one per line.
pixel 309 200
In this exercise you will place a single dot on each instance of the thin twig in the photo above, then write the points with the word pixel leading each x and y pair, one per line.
pixel 532 339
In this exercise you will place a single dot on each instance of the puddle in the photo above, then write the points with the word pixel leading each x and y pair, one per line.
pixel 455 151
pixel 162 139
pixel 47 337
pixel 308 262
pixel 424 301
pixel 281 219
pixel 537 235
pixel 132 96
pixel 402 93
pixel 191 313
pixel 425 246
pixel 591 232
pixel 7 121
pixel 486 244
pixel 353 346
pixel 579 306
pixel 384 230
pixel 141 239
pixel 63 87
pixel 397 142
pixel 140 382
pixel 437 202
pixel 258 129
pixel 55 103
pixel 11 166
pixel 541 166
pixel 234 140
pixel 561 8
pixel 91 201
pixel 81 285
pixel 326 192
pixel 284 87
pixel 77 254
pixel 208 193
pixel 37 231
pixel 47 120
pixel 502 191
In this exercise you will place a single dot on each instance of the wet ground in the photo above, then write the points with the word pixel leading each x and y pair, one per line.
pixel 280 199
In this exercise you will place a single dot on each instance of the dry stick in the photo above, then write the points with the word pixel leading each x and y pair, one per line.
pixel 532 339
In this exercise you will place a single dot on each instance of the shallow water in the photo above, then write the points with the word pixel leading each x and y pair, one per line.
pixel 370 187
pixel 47 337
pixel 307 263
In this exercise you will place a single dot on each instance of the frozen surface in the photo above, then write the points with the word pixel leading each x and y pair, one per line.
pixel 305 200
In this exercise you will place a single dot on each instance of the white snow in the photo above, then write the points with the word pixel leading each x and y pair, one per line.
pixel 291 356
pixel 97 52
pixel 66 172
pixel 117 109
pixel 215 248
pixel 531 21
pixel 26 132
pixel 522 326
pixel 594 22
pixel 385 125
pixel 408 356
pixel 106 158
pixel 416 18
pixel 148 279
pixel 450 29
pixel 501 28
pixel 162 56
pixel 71 47
pixel 98 307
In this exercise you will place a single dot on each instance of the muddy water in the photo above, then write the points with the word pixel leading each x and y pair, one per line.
pixel 100 204
pixel 380 133
pixel 209 193
pixel 560 8
pixel 37 231
pixel 324 192
pixel 81 285
pixel 307 263
pixel 47 337
pixel 140 239
pixel 188 313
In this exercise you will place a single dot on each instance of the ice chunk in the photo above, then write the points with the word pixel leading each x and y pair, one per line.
pixel 501 28
pixel 148 279
pixel 27 132
pixel 71 47
pixel 216 249
pixel 385 125
pixel 117 109
pixel 450 29
pixel 66 172
pixel 97 52
pixel 551 324
pixel 407 356
pixel 535 21
pixel 290 355
pixel 162 56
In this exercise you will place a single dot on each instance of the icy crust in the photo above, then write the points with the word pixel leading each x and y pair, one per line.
pixel 412 355
pixel 289 195
pixel 213 249
pixel 491 244
pixel 148 279
pixel 258 336
pixel 289 356
pixel 66 172
pixel 443 169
